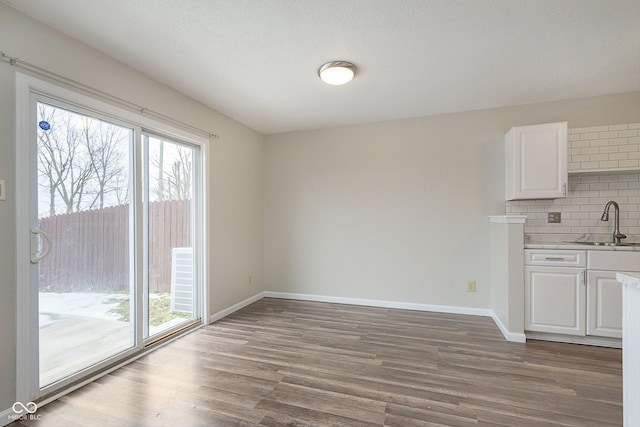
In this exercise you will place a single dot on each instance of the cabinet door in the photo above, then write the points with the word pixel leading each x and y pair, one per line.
pixel 555 300
pixel 537 168
pixel 604 304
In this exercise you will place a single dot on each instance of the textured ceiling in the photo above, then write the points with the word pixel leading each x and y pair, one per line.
pixel 256 60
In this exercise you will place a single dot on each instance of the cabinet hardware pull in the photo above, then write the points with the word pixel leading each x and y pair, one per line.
pixel 564 189
pixel 554 258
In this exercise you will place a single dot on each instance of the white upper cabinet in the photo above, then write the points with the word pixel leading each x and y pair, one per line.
pixel 536 162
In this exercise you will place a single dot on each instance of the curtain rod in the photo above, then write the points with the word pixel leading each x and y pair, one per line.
pixel 114 99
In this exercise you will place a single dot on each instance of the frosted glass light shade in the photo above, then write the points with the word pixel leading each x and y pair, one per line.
pixel 337 72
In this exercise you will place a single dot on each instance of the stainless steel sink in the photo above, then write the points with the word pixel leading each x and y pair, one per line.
pixel 606 243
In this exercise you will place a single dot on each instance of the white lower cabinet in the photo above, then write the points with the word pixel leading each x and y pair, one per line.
pixel 555 300
pixel 604 304
pixel 576 293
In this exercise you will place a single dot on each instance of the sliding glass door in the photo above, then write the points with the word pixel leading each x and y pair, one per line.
pixel 170 294
pixel 82 215
pixel 111 214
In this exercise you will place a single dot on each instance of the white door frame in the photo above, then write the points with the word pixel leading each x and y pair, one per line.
pixel 27 378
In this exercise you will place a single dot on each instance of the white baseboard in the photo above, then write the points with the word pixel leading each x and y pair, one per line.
pixel 586 340
pixel 227 311
pixel 509 336
pixel 4 417
pixel 9 416
pixel 383 303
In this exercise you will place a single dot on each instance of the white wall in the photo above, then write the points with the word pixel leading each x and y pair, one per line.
pixel 235 182
pixel 398 210
pixel 507 279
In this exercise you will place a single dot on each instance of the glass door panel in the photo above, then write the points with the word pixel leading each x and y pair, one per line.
pixel 171 290
pixel 85 282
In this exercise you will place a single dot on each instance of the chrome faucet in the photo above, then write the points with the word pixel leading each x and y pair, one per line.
pixel 617 235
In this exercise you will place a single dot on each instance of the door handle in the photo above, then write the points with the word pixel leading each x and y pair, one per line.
pixel 36 255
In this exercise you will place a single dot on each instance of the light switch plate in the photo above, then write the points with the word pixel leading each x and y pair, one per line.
pixel 3 190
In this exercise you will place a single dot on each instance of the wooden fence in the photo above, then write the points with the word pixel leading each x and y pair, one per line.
pixel 90 249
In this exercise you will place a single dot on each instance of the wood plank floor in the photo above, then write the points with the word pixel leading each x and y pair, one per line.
pixel 293 363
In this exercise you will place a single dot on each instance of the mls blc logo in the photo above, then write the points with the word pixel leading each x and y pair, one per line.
pixel 29 408
pixel 24 411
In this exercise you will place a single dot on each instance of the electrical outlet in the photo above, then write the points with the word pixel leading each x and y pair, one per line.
pixel 250 279
pixel 554 217
pixel 471 286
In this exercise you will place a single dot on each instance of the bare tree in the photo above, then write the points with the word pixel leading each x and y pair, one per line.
pixel 181 175
pixel 105 158
pixel 62 163
pixel 174 182
pixel 46 167
pixel 80 161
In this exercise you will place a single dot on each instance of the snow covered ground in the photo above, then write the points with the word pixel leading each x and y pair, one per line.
pixel 53 305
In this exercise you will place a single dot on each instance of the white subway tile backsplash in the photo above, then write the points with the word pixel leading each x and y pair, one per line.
pixel 608 177
pixel 579 230
pixel 589 150
pixel 618 141
pixel 579 187
pixel 613 134
pixel 618 185
pixel 598 142
pixel 616 156
pixel 625 148
pixel 581 215
pixel 535 209
pixel 633 163
pixel 580 144
pixel 599 186
pixel 589 165
pixel 593 149
pixel 588 178
pixel 608 149
pixel 600 157
pixel 609 164
pixel 612 142
pixel 627 133
pixel 618 127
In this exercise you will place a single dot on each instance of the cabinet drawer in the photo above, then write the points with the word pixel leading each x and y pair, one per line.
pixel 614 260
pixel 555 258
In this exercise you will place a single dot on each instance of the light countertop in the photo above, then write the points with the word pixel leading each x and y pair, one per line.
pixel 628 280
pixel 577 246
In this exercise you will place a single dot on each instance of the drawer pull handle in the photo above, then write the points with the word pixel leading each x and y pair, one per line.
pixel 554 258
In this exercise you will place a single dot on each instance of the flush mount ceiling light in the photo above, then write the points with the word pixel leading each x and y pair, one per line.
pixel 337 72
